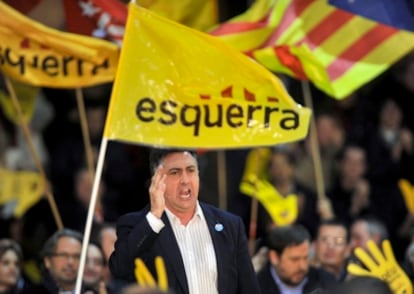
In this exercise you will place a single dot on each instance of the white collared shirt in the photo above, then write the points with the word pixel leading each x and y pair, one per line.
pixel 197 251
pixel 285 289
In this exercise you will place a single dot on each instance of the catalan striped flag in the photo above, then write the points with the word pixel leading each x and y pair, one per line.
pixel 311 40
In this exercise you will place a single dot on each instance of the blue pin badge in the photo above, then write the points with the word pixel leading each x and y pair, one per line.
pixel 218 227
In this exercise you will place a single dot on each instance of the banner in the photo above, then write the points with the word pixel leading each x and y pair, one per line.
pixel 179 87
pixel 37 55
pixel 20 190
pixel 26 94
pixel 311 40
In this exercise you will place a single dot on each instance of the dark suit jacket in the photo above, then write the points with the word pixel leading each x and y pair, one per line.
pixel 135 238
pixel 317 279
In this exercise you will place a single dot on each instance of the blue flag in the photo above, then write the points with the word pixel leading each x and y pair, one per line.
pixel 395 13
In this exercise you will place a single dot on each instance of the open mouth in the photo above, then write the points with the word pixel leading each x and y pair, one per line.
pixel 185 193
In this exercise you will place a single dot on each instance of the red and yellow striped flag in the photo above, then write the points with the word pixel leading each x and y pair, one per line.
pixel 311 40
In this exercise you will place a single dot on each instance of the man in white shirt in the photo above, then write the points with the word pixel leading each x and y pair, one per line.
pixel 204 248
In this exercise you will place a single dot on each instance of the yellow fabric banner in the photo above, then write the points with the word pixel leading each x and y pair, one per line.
pixel 26 94
pixel 179 87
pixel 35 54
pixel 197 14
pixel 282 209
pixel 22 189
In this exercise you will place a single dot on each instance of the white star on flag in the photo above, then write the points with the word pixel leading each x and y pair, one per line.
pixel 88 9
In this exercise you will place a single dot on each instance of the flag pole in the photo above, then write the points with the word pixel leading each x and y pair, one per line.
pixel 316 157
pixel 254 209
pixel 33 152
pixel 85 131
pixel 221 172
pixel 91 210
pixel 86 139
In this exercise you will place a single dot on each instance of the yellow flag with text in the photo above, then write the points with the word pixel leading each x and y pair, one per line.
pixel 38 55
pixel 179 87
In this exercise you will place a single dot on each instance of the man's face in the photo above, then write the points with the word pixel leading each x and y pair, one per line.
pixel 94 266
pixel 63 265
pixel 359 235
pixel 331 245
pixel 292 265
pixel 182 182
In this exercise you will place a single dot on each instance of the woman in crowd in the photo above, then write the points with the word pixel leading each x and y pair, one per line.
pixel 11 257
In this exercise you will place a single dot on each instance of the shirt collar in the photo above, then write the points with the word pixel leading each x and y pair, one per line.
pixel 198 214
pixel 285 288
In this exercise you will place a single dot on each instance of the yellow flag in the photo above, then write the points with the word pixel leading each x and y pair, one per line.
pixel 35 54
pixel 407 191
pixel 282 209
pixel 179 87
pixel 198 14
pixel 26 95
pixel 23 188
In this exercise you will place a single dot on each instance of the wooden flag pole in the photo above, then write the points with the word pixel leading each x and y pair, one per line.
pixel 89 218
pixel 221 172
pixel 254 210
pixel 87 144
pixel 85 131
pixel 320 184
pixel 253 224
pixel 316 158
pixel 39 166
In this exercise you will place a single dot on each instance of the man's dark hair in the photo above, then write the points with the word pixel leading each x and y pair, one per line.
pixel 333 222
pixel 278 238
pixel 157 155
pixel 363 285
pixel 50 245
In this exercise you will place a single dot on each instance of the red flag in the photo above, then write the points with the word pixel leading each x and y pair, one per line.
pixel 23 6
pixel 104 19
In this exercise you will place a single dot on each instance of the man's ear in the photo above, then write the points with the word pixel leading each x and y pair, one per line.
pixel 47 262
pixel 273 257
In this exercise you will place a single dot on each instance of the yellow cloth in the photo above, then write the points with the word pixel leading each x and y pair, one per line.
pixel 26 96
pixel 24 188
pixel 35 54
pixel 179 87
pixel 282 209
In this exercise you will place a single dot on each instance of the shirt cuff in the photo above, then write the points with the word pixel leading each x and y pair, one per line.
pixel 155 223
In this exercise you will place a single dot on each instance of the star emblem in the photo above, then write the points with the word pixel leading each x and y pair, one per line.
pixel 88 8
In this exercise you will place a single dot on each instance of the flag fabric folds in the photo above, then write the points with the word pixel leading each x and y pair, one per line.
pixel 37 55
pixel 179 87
pixel 103 19
pixel 311 40
pixel 26 94
pixel 20 190
pixel 397 13
pixel 196 14
pixel 106 18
